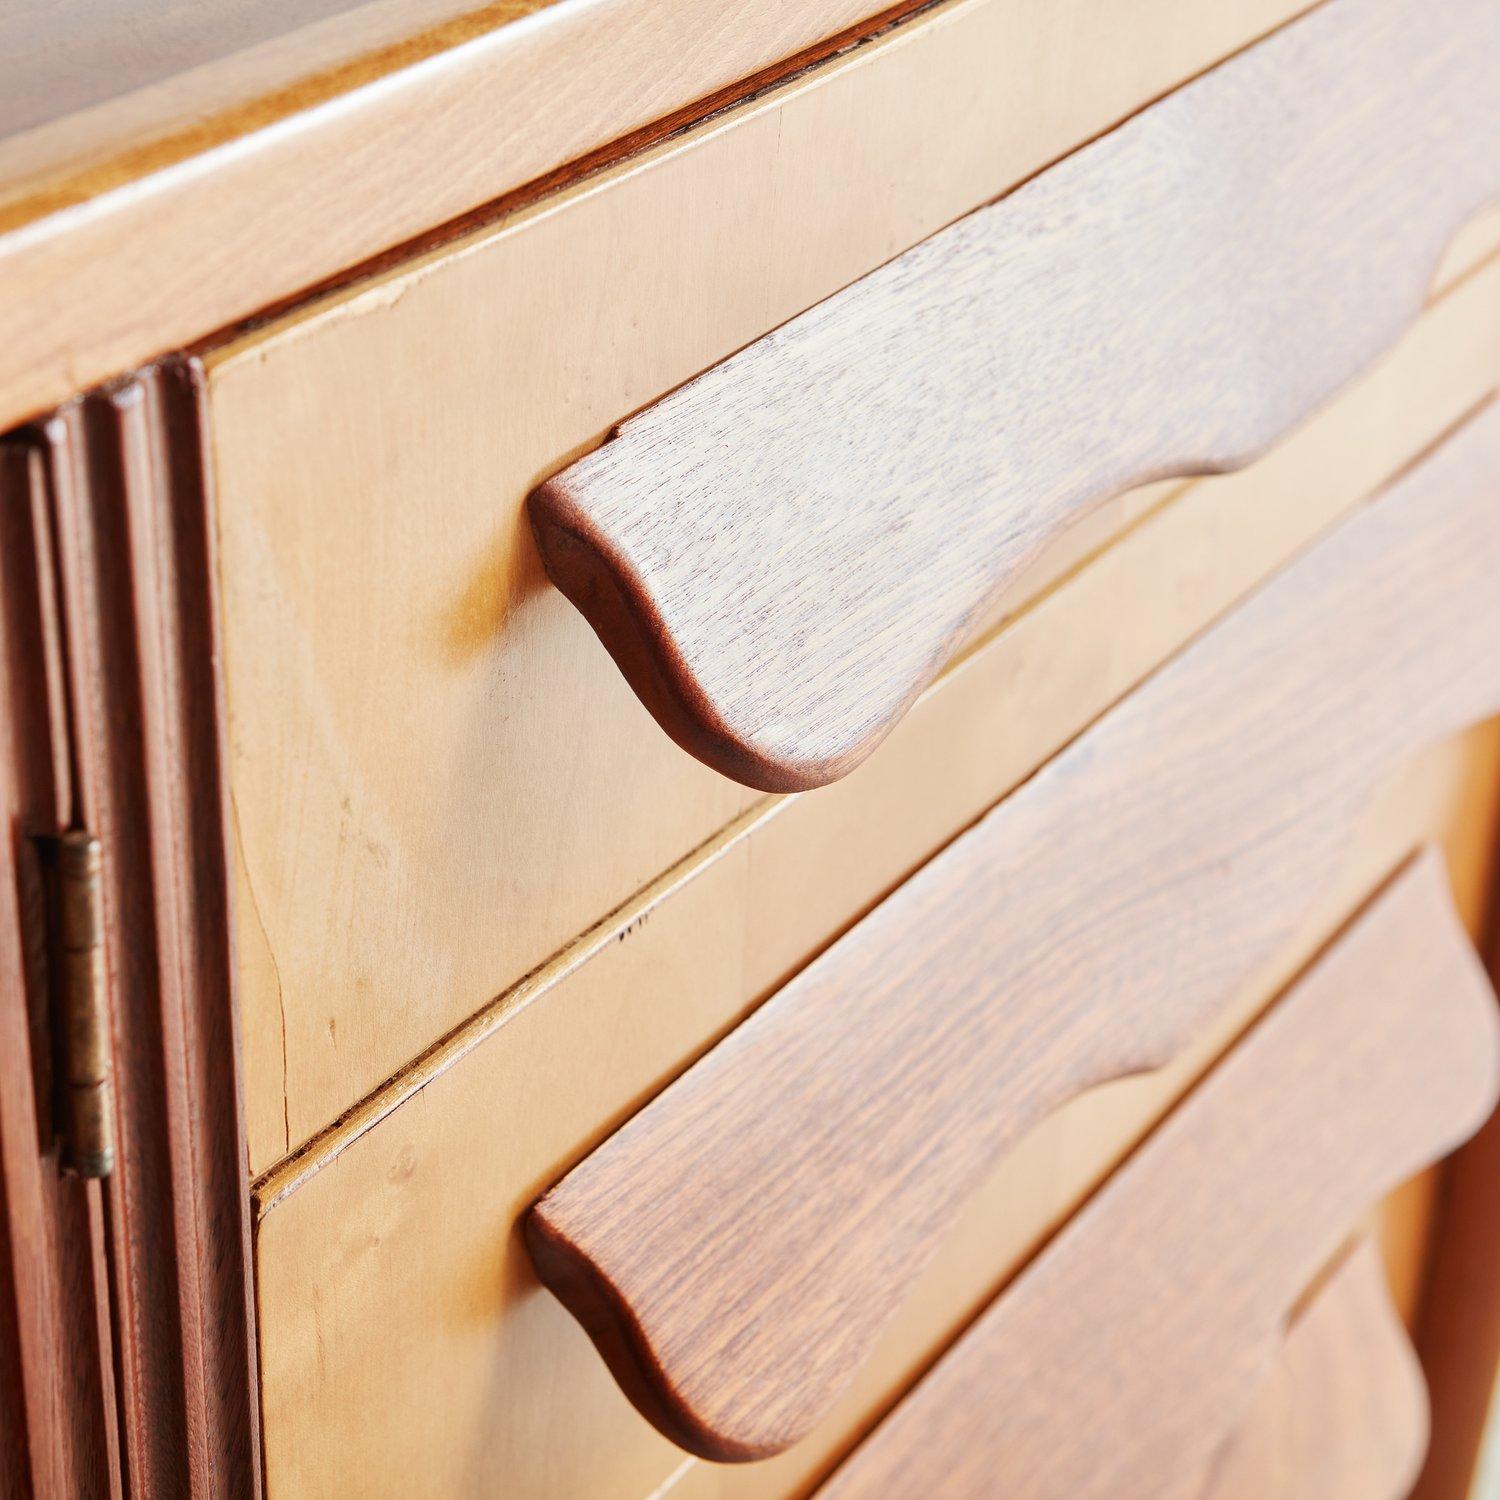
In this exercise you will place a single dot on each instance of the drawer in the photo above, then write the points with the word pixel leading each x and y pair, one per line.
pixel 781 554
pixel 1341 1413
pixel 471 1143
pixel 437 776
pixel 1121 1362
pixel 399 1269
pixel 736 1248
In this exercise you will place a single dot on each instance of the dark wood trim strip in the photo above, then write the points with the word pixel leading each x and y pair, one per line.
pixel 134 548
pixel 1458 1330
pixel 54 1277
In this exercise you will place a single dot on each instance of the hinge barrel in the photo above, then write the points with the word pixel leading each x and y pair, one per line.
pixel 88 1088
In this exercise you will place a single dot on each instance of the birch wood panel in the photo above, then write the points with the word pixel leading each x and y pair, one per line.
pixel 360 113
pixel 1047 671
pixel 782 553
pixel 156 117
pixel 365 1310
pixel 1343 1412
pixel 440 781
pixel 1121 1359
pixel 734 1250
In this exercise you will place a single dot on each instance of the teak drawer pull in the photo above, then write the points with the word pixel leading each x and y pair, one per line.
pixel 1342 1415
pixel 782 554
pixel 736 1246
pixel 1119 1361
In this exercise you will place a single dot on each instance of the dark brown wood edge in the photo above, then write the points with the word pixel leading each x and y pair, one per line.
pixel 1070 937
pixel 1458 1330
pixel 606 591
pixel 1158 1311
pixel 1343 1411
pixel 606 1315
pixel 135 549
pixel 778 613
pixel 58 1429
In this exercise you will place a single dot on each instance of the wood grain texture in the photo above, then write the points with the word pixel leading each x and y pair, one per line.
pixel 323 136
pixel 1342 1414
pixel 562 1058
pixel 782 554
pixel 365 1311
pixel 407 764
pixel 134 564
pixel 58 1417
pixel 1042 675
pixel 325 142
pixel 736 1247
pixel 1120 1359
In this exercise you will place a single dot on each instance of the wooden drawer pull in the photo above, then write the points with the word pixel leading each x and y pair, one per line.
pixel 781 554
pixel 1342 1414
pixel 1116 1365
pixel 736 1247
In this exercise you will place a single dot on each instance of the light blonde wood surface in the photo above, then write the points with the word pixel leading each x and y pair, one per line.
pixel 1057 668
pixel 358 132
pixel 780 554
pixel 439 779
pixel 178 123
pixel 474 1135
pixel 1343 1413
pixel 1020 696
pixel 1453 793
pixel 1121 1359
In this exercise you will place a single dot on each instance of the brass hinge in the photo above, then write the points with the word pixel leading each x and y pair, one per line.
pixel 86 1062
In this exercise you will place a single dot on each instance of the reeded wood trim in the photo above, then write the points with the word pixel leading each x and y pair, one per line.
pixel 1118 1362
pixel 123 473
pixel 784 552
pixel 737 1246
pixel 58 1417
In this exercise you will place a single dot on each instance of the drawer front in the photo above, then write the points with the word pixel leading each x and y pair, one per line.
pixel 1342 1412
pixel 1117 1364
pixel 472 1142
pixel 438 776
pixel 399 1269
pixel 783 553
pixel 735 1250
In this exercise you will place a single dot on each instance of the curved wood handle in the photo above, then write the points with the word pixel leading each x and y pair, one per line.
pixel 784 552
pixel 1115 1366
pixel 1342 1414
pixel 736 1247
